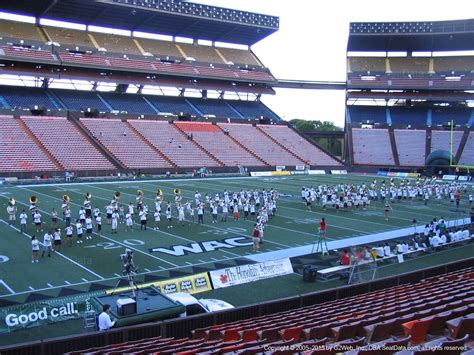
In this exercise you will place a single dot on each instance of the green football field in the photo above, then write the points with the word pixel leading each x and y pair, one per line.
pixel 181 250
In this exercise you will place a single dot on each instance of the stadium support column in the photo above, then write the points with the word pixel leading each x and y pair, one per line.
pixel 393 143
pixel 462 144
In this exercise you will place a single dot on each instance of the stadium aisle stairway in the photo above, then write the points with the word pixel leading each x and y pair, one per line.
pixel 18 152
pixel 68 146
pixel 218 144
pixel 173 143
pixel 297 145
pixel 261 145
pixel 125 144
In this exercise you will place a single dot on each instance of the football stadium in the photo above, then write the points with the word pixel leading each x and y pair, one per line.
pixel 151 202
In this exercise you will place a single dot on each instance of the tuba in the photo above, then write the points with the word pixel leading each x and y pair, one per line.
pixel 33 200
pixel 65 203
pixel 11 201
pixel 116 195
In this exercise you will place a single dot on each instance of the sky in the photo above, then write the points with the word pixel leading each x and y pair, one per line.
pixel 312 39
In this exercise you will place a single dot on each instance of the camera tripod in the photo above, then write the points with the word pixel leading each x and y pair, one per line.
pixel 131 284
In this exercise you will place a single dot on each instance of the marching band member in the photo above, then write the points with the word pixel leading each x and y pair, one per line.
pixel 11 210
pixel 23 219
pixel 88 204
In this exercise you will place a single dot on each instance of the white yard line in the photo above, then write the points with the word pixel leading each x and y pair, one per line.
pixel 7 287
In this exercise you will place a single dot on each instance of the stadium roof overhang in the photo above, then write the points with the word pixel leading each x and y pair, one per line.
pixel 411 36
pixel 168 17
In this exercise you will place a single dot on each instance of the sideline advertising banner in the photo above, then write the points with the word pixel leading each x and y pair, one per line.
pixel 238 275
pixel 40 313
pixel 339 172
pixel 189 284
pixel 317 172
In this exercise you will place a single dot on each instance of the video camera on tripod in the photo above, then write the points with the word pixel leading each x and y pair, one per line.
pixel 129 266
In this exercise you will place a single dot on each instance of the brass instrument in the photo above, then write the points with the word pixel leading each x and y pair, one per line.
pixel 159 193
pixel 33 200
pixel 116 195
pixel 11 201
pixel 177 191
pixel 177 195
pixel 66 198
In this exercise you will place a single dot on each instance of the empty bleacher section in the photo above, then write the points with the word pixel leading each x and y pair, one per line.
pixel 367 113
pixel 366 65
pixel 27 97
pixel 252 109
pixel 68 38
pixel 213 140
pixel 411 147
pixel 467 157
pixel 126 145
pixel 204 54
pixel 115 43
pixel 406 65
pixel 441 140
pixel 298 145
pixel 409 314
pixel 160 49
pixel 372 147
pixel 18 152
pixel 261 145
pixel 239 56
pixel 68 146
pixel 444 115
pixel 415 116
pixel 216 107
pixel 173 143
pixel 453 65
pixel 80 100
pixel 128 103
pixel 21 30
pixel 170 104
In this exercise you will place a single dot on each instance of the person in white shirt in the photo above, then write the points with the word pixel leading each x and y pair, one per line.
pixel 35 247
pixel 181 214
pixel 11 210
pixel 128 222
pixel 57 239
pixel 82 216
pixel 386 250
pixel 54 219
pixel 37 221
pixel 67 216
pixel 47 243
pixel 200 213
pixel 142 215
pixel 105 322
pixel 69 231
pixel 23 218
pixel 114 222
pixel 79 231
pixel 157 217
pixel 168 216
pixel 435 241
pixel 98 222
pixel 214 213
pixel 88 227
pixel 380 252
pixel 131 210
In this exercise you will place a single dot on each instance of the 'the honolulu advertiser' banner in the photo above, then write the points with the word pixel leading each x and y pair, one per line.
pixel 238 275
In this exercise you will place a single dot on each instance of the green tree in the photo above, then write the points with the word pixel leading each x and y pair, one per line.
pixel 315 125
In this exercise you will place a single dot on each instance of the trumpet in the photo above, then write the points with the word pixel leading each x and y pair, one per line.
pixel 11 201
pixel 33 200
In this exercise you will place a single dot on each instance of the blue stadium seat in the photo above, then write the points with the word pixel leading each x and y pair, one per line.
pixel 173 105
pixel 459 115
pixel 253 109
pixel 367 113
pixel 130 103
pixel 27 97
pixel 219 108
pixel 408 115
pixel 80 100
